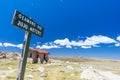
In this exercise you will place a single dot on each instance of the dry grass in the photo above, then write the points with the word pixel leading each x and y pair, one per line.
pixel 107 65
pixel 53 72
pixel 56 71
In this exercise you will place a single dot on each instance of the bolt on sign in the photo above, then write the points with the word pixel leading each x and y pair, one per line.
pixel 30 26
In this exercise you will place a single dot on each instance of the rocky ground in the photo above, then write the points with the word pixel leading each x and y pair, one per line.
pixel 62 68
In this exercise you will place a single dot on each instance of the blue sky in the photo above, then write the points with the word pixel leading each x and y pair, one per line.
pixel 88 28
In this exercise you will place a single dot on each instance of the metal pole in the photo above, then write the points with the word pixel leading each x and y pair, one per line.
pixel 22 64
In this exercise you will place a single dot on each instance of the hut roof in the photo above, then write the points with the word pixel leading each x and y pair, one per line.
pixel 39 51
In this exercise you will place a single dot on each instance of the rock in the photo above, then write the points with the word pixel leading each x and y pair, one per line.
pixel 69 68
pixel 41 78
pixel 91 74
pixel 76 63
pixel 10 68
pixel 109 75
pixel 10 55
pixel 51 61
pixel 5 73
pixel 72 74
pixel 30 76
pixel 41 69
pixel 43 75
pixel 3 55
pixel 67 62
pixel 95 74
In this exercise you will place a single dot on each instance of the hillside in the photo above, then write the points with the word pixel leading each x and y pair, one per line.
pixel 63 68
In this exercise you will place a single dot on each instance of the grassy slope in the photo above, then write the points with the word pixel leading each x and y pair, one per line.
pixel 56 71
pixel 53 72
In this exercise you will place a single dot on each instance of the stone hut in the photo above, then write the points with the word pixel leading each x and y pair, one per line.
pixel 36 54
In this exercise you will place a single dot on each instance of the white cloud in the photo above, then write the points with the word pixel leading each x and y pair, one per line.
pixel 13 45
pixel 98 40
pixel 56 44
pixel 117 41
pixel 89 42
pixel 93 41
pixel 1 44
pixel 47 46
pixel 63 42
pixel 68 46
pixel 118 38
pixel 85 47
pixel 77 43
pixel 8 45
pixel 19 46
pixel 117 44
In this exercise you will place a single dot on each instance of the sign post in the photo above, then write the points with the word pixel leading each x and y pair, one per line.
pixel 22 64
pixel 23 22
